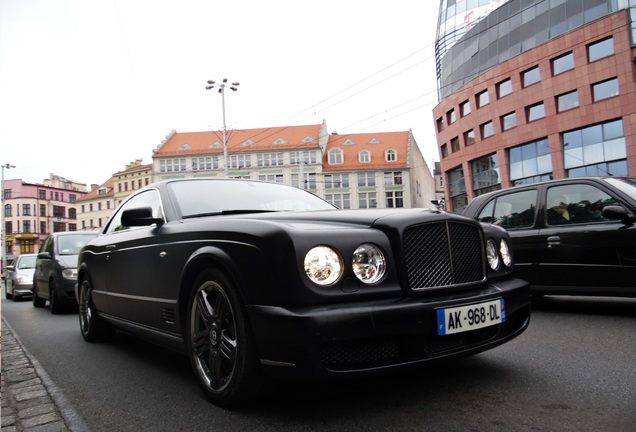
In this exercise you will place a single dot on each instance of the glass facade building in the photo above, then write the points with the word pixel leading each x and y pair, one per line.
pixel 536 90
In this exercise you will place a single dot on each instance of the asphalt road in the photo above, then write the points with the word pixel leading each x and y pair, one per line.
pixel 574 369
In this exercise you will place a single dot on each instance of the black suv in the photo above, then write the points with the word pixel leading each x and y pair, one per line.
pixel 570 236
pixel 56 270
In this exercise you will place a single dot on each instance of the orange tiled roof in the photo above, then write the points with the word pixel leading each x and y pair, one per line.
pixel 271 138
pixel 109 184
pixel 375 143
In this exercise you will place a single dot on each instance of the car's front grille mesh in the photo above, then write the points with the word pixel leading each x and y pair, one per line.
pixel 443 254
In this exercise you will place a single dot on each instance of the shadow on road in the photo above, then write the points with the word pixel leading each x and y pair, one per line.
pixel 616 306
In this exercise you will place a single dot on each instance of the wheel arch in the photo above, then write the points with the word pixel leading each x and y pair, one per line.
pixel 204 258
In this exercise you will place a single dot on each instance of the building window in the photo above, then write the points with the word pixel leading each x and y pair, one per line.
pixel 486 177
pixel 482 99
pixel 567 101
pixel 43 209
pixel 169 165
pixel 440 124
pixel 309 182
pixel 8 211
pixel 535 112
pixel 272 178
pixel 600 49
pixel 335 156
pixel 530 76
pixel 392 178
pixel 364 156
pixel 269 159
pixel 342 201
pixel 451 116
pixel 469 137
pixel 530 163
pixel 563 63
pixel 464 108
pixel 504 88
pixel 455 145
pixel 240 161
pixel 203 163
pixel 390 155
pixel 487 129
pixel 26 210
pixel 42 194
pixel 394 199
pixel 509 121
pixel 596 150
pixel 366 179
pixel 367 200
pixel 444 150
pixel 605 89
pixel 307 157
pixel 336 181
pixel 457 188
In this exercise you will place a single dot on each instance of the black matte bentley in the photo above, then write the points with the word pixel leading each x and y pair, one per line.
pixel 250 279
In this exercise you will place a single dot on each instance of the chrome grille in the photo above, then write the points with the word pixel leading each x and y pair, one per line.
pixel 443 254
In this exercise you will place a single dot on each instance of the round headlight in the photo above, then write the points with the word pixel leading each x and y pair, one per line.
pixel 505 253
pixel 492 254
pixel 323 265
pixel 369 264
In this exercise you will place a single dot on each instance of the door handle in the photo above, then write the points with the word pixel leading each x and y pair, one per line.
pixel 554 241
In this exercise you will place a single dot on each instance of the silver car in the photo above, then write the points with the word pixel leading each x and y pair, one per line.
pixel 19 277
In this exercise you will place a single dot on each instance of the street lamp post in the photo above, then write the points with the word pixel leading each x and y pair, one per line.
pixel 221 86
pixel 2 227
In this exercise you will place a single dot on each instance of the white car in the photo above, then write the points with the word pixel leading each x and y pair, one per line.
pixel 19 277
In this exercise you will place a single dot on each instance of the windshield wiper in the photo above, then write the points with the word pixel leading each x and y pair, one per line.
pixel 227 212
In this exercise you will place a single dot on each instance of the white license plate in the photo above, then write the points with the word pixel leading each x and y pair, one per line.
pixel 470 317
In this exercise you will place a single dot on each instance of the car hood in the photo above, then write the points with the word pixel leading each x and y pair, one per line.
pixel 352 218
pixel 67 261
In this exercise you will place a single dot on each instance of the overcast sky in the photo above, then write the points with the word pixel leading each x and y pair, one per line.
pixel 88 86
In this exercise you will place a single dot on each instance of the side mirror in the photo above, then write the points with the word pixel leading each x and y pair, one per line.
pixel 618 212
pixel 139 217
pixel 44 255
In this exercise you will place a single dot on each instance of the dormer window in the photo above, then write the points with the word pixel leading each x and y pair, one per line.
pixel 335 157
pixel 185 146
pixel 307 139
pixel 248 143
pixel 375 141
pixel 215 144
pixel 280 141
pixel 390 155
pixel 348 142
pixel 364 156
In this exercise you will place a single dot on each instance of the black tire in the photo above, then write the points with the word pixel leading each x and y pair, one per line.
pixel 37 301
pixel 54 301
pixel 93 328
pixel 219 341
pixel 6 292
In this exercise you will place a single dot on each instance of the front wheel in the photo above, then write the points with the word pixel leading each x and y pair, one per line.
pixel 6 292
pixel 220 345
pixel 93 328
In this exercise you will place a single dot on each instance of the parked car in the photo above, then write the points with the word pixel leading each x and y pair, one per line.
pixel 573 236
pixel 251 277
pixel 19 277
pixel 56 270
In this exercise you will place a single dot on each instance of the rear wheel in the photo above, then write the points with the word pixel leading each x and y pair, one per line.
pixel 219 341
pixel 37 301
pixel 93 328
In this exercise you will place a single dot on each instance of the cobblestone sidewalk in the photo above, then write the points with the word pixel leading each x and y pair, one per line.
pixel 27 403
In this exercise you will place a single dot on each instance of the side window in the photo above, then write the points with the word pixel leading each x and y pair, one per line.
pixel 148 198
pixel 576 204
pixel 48 245
pixel 510 211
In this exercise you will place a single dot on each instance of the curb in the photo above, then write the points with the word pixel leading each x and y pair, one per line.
pixel 30 400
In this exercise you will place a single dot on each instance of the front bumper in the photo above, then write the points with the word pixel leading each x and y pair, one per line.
pixel 358 338
pixel 22 289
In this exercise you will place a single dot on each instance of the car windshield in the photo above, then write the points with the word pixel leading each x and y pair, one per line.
pixel 202 197
pixel 71 244
pixel 626 185
pixel 27 262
